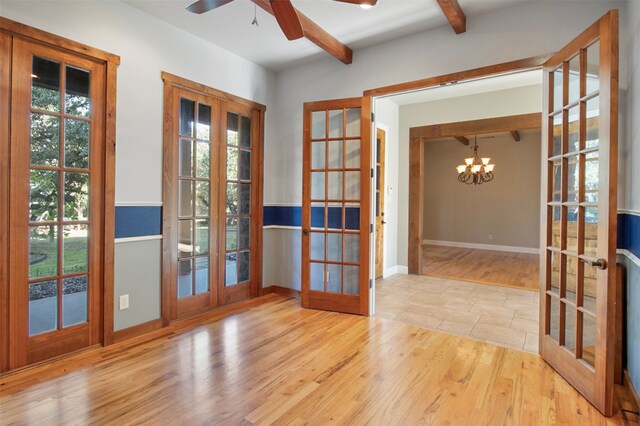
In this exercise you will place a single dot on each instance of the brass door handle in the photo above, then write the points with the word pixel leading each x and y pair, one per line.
pixel 600 263
pixel 305 231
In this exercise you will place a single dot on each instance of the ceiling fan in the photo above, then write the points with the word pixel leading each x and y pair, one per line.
pixel 283 11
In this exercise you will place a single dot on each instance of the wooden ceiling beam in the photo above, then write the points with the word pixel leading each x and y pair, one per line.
pixel 454 14
pixel 462 140
pixel 478 127
pixel 317 35
pixel 515 135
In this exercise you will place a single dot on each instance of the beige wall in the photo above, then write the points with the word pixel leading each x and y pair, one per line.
pixel 508 208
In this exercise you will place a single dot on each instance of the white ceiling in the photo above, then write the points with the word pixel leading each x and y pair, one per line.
pixel 230 26
pixel 473 87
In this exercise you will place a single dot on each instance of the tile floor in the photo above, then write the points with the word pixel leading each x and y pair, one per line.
pixel 500 315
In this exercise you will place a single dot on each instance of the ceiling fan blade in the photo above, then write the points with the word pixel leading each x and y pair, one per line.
pixel 287 18
pixel 363 2
pixel 202 6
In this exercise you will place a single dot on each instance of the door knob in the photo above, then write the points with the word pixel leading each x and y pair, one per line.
pixel 383 222
pixel 305 231
pixel 600 263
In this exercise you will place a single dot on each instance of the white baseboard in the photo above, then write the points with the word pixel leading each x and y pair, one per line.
pixel 136 239
pixel 512 249
pixel 395 270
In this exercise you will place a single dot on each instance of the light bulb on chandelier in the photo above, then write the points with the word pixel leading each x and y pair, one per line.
pixel 476 170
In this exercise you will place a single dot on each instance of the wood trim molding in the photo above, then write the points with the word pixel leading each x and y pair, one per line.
pixel 506 124
pixel 416 204
pixel 283 291
pixel 137 330
pixel 210 91
pixel 5 118
pixel 454 14
pixel 22 30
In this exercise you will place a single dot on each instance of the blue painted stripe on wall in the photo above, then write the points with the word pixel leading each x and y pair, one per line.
pixel 138 221
pixel 292 216
pixel 629 232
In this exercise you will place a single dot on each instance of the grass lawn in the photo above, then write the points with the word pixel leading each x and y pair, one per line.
pixel 43 255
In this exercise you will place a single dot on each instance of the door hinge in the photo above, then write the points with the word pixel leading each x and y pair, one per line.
pixel 371 228
pixel 373 117
pixel 372 173
pixel 370 283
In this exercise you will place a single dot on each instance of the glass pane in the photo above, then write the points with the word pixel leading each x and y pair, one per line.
pixel 317 185
pixel 570 328
pixel 593 123
pixel 43 251
pixel 591 231
pixel 43 307
pixel 589 339
pixel 232 198
pixel 593 67
pixel 203 161
pixel 185 198
pixel 232 233
pixel 334 218
pixel 202 198
pixel 334 247
pixel 232 163
pixel 185 158
pixel 244 233
pixel 245 132
pixel 353 122
pixel 351 280
pixel 77 96
pixel 76 196
pixel 185 238
pixel 591 177
pixel 45 84
pixel 318 124
pixel 352 248
pixel 187 111
pixel 202 275
pixel 202 236
pixel 556 183
pixel 555 226
pixel 352 154
pixel 244 266
pixel 245 165
pixel 334 278
pixel 352 185
pixel 245 198
pixel 317 246
pixel 335 154
pixel 231 273
pixel 43 205
pixel 334 191
pixel 75 248
pixel 232 129
pixel 74 300
pixel 204 122
pixel 185 278
pixel 572 228
pixel 573 178
pixel 76 144
pixel 574 130
pixel 557 89
pixel 45 140
pixel 352 217
pixel 316 276
pixel 557 135
pixel 317 215
pixel 335 124
pixel 318 155
pixel 574 79
pixel 572 278
pixel 554 316
pixel 590 297
pixel 554 259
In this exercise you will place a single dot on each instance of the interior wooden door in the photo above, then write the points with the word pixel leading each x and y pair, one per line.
pixel 56 202
pixel 335 206
pixel 577 318
pixel 381 139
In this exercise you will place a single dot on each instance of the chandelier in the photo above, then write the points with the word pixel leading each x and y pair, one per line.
pixel 476 170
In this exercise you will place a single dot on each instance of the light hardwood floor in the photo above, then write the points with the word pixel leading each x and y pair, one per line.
pixel 268 361
pixel 518 270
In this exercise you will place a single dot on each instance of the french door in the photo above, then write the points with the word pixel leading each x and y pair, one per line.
pixel 578 288
pixel 56 202
pixel 212 185
pixel 335 206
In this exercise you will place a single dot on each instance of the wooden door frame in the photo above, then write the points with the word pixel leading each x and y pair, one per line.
pixel 385 129
pixel 9 30
pixel 169 210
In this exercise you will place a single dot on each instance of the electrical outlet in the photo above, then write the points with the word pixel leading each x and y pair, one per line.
pixel 491 236
pixel 124 302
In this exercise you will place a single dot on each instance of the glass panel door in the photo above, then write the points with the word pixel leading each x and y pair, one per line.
pixel 335 207
pixel 578 291
pixel 56 154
